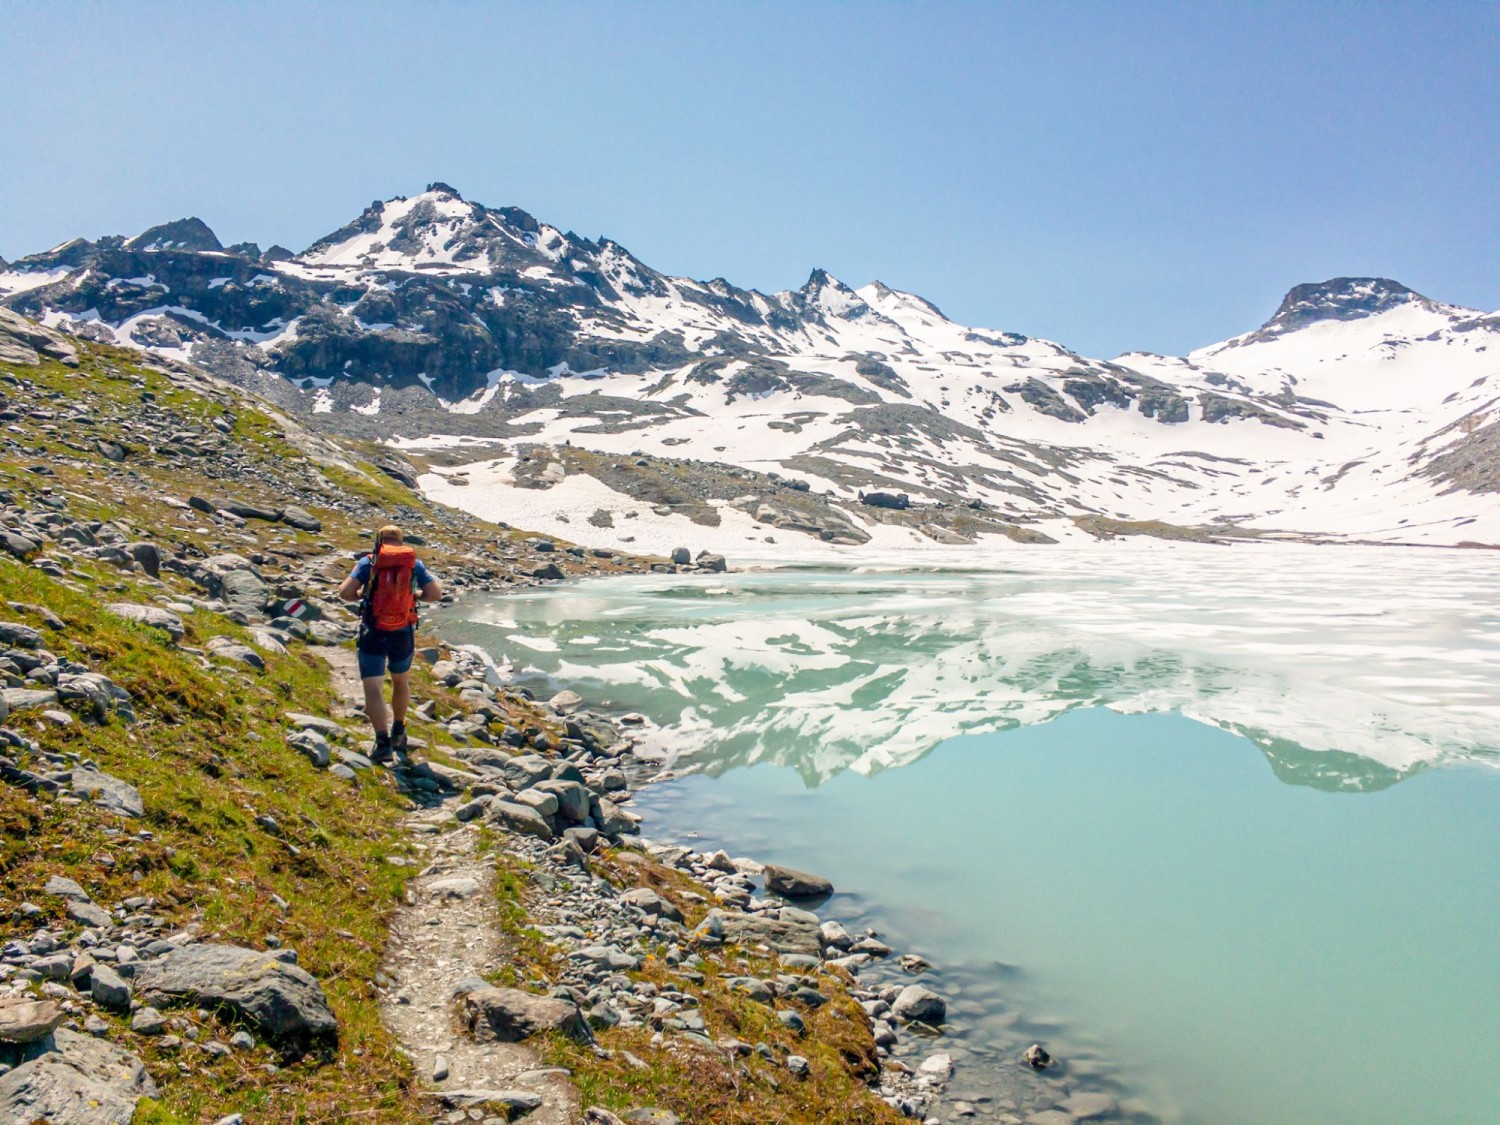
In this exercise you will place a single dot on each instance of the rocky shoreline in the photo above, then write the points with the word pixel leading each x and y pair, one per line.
pixel 926 1068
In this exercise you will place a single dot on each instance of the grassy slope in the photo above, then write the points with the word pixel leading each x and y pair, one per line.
pixel 208 753
pixel 209 757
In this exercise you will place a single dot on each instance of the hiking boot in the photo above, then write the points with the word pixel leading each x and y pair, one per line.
pixel 382 752
pixel 398 738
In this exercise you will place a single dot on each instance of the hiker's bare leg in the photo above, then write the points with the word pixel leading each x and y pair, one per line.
pixel 400 694
pixel 375 705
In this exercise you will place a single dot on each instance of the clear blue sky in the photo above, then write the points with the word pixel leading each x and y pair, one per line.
pixel 1113 175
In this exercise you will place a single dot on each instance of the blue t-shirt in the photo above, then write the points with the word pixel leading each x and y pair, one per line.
pixel 362 572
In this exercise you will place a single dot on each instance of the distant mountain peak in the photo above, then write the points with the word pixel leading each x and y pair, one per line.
pixel 826 295
pixel 1340 298
pixel 179 234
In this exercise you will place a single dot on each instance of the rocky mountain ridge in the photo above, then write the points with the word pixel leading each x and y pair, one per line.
pixel 483 339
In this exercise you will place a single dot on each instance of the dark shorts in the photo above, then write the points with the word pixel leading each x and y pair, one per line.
pixel 379 651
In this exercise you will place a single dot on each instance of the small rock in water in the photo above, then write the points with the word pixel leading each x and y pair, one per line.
pixel 565 702
pixel 937 1066
pixel 1036 1057
pixel 1090 1106
pixel 795 884
pixel 920 1004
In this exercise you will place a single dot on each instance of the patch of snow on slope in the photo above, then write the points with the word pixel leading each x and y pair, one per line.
pixel 23 281
pixel 370 408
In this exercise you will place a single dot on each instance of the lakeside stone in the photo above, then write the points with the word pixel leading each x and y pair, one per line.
pixel 920 1005
pixel 791 883
pixel 779 934
pixel 1090 1106
pixel 647 900
pixel 513 817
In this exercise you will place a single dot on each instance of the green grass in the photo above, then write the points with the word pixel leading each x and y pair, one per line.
pixel 208 756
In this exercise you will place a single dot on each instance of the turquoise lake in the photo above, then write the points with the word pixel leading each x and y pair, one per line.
pixel 1221 826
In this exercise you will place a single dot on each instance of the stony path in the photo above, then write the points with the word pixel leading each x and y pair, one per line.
pixel 447 931
pixel 343 675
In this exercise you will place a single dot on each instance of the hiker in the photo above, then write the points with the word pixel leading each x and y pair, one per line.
pixel 384 583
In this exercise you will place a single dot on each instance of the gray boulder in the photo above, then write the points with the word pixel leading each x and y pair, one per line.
pixel 543 802
pixel 148 555
pixel 647 900
pixel 151 615
pixel 301 519
pixel 108 990
pixel 246 591
pixel 268 641
pixel 781 935
pixel 324 726
pixel 572 799
pixel 609 957
pixel 508 1015
pixel 27 699
pixel 921 1005
pixel 24 1020
pixel 613 820
pixel 525 770
pixel 60 886
pixel 108 792
pixel 284 1002
pixel 309 742
pixel 227 648
pixel 77 1079
pixel 791 883
pixel 248 511
pixel 513 817
pixel 512 1101
pixel 16 545
pixel 15 635
pixel 88 914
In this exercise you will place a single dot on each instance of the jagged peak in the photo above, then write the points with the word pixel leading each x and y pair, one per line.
pixel 826 294
pixel 179 234
pixel 437 187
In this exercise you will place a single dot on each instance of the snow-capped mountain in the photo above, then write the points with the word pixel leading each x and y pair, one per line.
pixel 548 378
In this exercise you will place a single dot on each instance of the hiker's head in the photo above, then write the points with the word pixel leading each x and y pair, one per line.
pixel 388 536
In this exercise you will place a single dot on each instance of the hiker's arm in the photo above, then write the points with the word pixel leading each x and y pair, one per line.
pixel 350 589
pixel 432 592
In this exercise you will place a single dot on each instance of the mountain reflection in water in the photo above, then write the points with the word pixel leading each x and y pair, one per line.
pixel 1350 668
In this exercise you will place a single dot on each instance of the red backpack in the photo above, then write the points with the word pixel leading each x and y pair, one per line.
pixel 392 605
